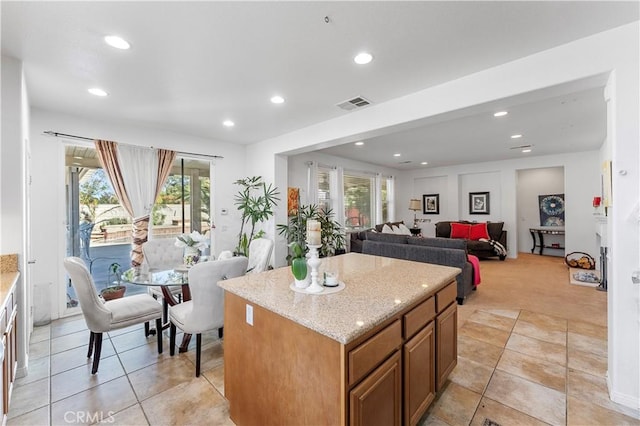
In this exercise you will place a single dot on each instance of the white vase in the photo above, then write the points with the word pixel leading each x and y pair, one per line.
pixel 304 283
pixel 190 255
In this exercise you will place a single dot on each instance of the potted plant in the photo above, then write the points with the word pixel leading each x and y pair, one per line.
pixel 255 201
pixel 116 290
pixel 191 244
pixel 299 265
pixel 332 237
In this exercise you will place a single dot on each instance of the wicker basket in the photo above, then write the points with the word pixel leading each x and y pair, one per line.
pixel 578 259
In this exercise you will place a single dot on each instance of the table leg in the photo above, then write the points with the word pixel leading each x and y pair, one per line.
pixel 533 237
pixel 541 242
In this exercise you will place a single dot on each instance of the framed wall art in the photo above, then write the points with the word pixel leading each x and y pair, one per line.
pixel 551 209
pixel 293 201
pixel 431 204
pixel 479 203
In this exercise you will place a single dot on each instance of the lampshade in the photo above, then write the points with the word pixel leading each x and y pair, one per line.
pixel 414 204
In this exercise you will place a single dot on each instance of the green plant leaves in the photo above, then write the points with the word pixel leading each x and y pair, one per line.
pixel 299 268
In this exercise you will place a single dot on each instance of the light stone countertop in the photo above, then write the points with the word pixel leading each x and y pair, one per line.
pixel 376 288
pixel 7 281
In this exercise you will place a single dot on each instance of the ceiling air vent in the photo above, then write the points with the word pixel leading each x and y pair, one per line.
pixel 405 162
pixel 521 147
pixel 354 103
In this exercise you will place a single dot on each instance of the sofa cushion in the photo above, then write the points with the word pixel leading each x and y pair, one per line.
pixel 401 229
pixel 390 224
pixel 386 229
pixel 439 242
pixel 478 230
pixel 460 230
pixel 386 238
pixel 495 230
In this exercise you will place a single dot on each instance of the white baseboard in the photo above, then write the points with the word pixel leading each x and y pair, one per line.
pixel 630 401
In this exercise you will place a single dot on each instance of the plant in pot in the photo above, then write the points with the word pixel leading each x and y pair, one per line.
pixel 116 290
pixel 299 265
pixel 255 201
pixel 332 237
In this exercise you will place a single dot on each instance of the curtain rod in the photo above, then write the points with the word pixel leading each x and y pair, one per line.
pixel 64 135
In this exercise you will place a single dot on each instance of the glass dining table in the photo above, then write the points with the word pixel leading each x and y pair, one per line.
pixel 164 279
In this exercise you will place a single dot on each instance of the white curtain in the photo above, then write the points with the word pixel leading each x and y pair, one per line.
pixel 140 175
pixel 337 194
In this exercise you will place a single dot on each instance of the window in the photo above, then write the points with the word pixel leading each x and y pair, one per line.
pixel 358 200
pixel 324 188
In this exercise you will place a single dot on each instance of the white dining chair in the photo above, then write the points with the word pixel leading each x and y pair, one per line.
pixel 259 255
pixel 101 316
pixel 163 254
pixel 205 310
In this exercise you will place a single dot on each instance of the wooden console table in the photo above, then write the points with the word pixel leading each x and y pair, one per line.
pixel 540 232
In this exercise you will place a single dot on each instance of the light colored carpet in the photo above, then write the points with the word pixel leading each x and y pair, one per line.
pixel 535 283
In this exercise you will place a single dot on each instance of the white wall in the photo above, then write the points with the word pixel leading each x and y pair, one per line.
pixel 48 197
pixel 614 51
pixel 15 138
pixel 530 185
pixel 499 179
pixel 428 186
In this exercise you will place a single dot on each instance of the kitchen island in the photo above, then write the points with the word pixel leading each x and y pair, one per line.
pixel 374 353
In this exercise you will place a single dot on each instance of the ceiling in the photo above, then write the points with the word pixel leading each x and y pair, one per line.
pixel 193 65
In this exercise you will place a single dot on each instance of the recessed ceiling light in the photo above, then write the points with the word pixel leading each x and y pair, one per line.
pixel 396 155
pixel 117 42
pixel 516 136
pixel 363 58
pixel 500 114
pixel 97 91
pixel 228 123
pixel 277 99
pixel 424 163
pixel 526 150
pixel 359 143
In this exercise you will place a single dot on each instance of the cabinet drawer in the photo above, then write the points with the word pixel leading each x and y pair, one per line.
pixel 445 296
pixel 368 355
pixel 419 316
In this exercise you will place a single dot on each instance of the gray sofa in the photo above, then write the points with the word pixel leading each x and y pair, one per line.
pixel 438 251
pixel 482 249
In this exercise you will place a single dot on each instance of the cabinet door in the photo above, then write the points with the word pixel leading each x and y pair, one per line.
pixel 376 400
pixel 446 344
pixel 419 374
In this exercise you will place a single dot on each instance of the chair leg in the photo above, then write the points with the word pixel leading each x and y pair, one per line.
pixel 221 332
pixel 96 355
pixel 146 329
pixel 91 335
pixel 172 339
pixel 165 310
pixel 159 334
pixel 198 348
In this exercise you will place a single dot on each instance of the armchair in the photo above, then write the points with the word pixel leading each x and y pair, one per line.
pixel 102 316
pixel 205 310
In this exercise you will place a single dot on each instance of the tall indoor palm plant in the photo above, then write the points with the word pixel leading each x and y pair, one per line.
pixel 255 200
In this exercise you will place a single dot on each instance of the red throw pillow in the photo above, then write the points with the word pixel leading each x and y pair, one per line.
pixel 460 230
pixel 478 231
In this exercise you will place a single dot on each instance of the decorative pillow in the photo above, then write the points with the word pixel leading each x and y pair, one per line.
pixel 460 230
pixel 386 229
pixel 403 230
pixel 477 231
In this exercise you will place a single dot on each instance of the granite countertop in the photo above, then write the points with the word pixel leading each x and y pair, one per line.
pixel 376 288
pixel 7 282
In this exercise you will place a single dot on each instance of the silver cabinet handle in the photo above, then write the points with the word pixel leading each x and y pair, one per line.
pixel 31 262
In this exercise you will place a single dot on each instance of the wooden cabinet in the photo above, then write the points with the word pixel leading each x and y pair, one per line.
pixel 8 321
pixel 446 344
pixel 419 374
pixel 377 399
pixel 388 375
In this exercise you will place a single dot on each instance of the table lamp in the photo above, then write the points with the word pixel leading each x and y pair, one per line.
pixel 415 205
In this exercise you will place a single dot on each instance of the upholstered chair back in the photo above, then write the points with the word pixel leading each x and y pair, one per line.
pixel 96 315
pixel 259 255
pixel 162 253
pixel 207 296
